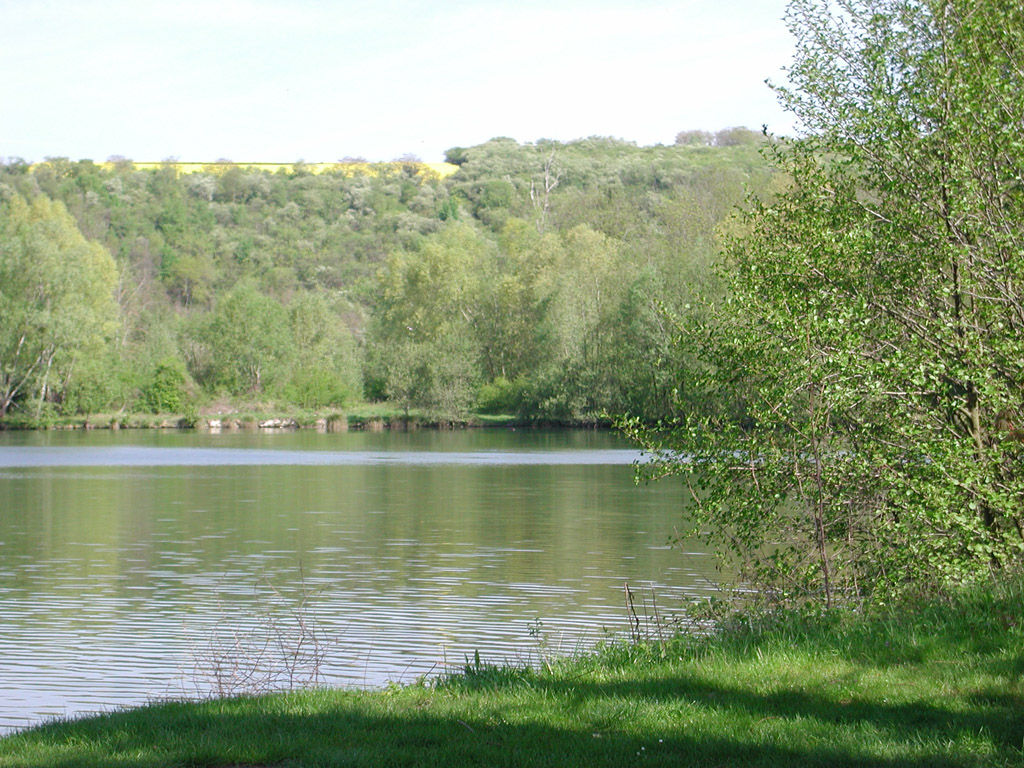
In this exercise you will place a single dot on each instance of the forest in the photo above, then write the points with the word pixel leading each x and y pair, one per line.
pixel 532 280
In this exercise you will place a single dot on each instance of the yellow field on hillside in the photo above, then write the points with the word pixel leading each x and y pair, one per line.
pixel 348 169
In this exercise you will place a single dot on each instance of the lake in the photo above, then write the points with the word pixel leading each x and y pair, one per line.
pixel 143 565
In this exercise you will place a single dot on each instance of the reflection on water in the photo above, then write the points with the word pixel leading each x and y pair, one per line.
pixel 144 456
pixel 121 554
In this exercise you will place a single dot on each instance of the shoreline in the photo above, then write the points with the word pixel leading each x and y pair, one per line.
pixel 926 682
pixel 270 420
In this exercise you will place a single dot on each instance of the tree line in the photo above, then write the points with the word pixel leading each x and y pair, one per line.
pixel 530 282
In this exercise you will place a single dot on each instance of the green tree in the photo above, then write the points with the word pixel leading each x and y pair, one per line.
pixel 165 392
pixel 424 337
pixel 582 286
pixel 435 284
pixel 327 366
pixel 244 343
pixel 437 376
pixel 512 302
pixel 56 299
pixel 695 138
pixel 101 380
pixel 873 342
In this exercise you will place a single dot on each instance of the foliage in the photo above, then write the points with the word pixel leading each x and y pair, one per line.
pixel 428 308
pixel 500 396
pixel 328 367
pixel 56 300
pixel 165 392
pixel 246 339
pixel 871 344
pixel 437 376
pixel 99 381
pixel 318 388
pixel 497 254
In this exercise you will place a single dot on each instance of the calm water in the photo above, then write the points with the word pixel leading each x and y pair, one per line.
pixel 132 563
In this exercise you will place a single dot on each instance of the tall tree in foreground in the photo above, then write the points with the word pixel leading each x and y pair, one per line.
pixel 872 348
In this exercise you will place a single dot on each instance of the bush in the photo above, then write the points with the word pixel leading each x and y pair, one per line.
pixel 165 392
pixel 318 388
pixel 98 383
pixel 501 396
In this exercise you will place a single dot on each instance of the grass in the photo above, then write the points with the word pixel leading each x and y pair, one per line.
pixel 937 683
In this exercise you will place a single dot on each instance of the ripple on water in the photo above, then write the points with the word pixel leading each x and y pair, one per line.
pixel 125 568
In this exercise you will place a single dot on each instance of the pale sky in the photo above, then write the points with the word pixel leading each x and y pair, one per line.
pixel 283 80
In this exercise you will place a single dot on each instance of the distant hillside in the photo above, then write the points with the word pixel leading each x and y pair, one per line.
pixel 533 277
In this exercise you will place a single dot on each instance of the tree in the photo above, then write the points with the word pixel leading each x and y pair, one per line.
pixel 425 332
pixel 585 286
pixel 56 299
pixel 872 348
pixel 436 375
pixel 455 155
pixel 695 138
pixel 736 136
pixel 327 365
pixel 246 340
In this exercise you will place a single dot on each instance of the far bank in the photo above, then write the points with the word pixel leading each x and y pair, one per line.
pixel 372 417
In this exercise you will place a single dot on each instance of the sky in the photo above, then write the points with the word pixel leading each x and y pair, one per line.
pixel 284 80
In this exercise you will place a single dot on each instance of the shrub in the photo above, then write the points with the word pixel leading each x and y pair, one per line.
pixel 165 392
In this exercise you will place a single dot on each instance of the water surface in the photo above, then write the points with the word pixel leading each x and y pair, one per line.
pixel 131 562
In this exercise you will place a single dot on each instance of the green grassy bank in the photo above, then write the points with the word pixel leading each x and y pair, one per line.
pixel 936 683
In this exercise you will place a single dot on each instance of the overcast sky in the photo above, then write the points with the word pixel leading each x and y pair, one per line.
pixel 282 80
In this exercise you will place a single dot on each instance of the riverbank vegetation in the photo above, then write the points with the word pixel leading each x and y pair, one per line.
pixel 238 415
pixel 529 282
pixel 934 682
pixel 864 381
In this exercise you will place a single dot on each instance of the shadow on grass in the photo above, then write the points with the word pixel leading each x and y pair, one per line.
pixel 998 717
pixel 447 729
